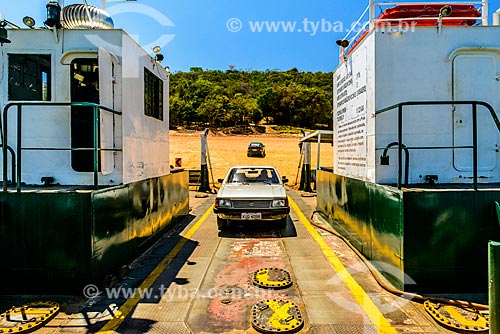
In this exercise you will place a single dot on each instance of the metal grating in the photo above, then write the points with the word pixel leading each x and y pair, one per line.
pixel 322 329
pixel 355 329
pixel 257 204
pixel 140 326
pixel 343 329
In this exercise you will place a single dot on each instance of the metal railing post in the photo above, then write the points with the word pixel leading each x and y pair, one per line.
pixel 4 148
pixel 96 146
pixel 19 143
pixel 400 146
pixel 474 144
pixel 371 15
pixel 494 286
pixel 484 12
pixel 319 151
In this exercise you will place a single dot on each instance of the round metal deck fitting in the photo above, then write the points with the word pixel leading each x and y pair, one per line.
pixel 273 278
pixel 27 318
pixel 456 318
pixel 276 316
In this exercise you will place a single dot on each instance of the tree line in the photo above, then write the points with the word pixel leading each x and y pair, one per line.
pixel 239 98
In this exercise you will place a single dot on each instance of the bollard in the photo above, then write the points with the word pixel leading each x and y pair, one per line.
pixel 204 182
pixel 493 286
pixel 305 181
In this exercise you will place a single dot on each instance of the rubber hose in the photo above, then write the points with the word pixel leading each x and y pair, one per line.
pixel 388 287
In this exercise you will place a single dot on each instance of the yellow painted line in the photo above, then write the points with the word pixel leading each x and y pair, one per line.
pixel 376 317
pixel 112 325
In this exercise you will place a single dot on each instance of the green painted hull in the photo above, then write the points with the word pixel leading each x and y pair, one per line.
pixel 59 241
pixel 428 241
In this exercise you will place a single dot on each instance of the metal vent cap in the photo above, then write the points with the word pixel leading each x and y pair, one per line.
pixel 76 17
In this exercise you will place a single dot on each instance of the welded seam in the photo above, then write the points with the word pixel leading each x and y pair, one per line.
pixel 376 317
pixel 112 325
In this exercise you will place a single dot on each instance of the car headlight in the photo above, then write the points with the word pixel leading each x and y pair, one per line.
pixel 224 203
pixel 279 203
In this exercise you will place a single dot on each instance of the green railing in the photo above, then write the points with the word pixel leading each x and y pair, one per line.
pixel 5 147
pixel 400 145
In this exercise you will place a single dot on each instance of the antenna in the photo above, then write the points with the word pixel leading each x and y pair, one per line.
pixel 103 2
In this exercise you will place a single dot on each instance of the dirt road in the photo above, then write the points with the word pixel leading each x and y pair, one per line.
pixel 226 151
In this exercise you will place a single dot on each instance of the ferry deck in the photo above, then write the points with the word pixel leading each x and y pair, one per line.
pixel 196 279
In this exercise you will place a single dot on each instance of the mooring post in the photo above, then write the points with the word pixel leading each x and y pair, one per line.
pixel 204 181
pixel 305 180
pixel 493 286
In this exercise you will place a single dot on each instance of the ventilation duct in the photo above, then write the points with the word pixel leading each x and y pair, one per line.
pixel 77 17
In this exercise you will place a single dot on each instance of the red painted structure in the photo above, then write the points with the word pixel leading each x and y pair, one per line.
pixel 423 15
pixel 420 14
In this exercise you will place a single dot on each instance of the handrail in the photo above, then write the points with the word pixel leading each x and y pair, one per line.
pixel 407 157
pixel 13 159
pixel 4 126
pixel 474 105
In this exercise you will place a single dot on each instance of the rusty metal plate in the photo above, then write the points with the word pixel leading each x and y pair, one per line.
pixel 276 316
pixel 272 278
pixel 464 320
pixel 27 318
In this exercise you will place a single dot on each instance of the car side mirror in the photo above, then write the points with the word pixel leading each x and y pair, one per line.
pixel 284 179
pixel 220 180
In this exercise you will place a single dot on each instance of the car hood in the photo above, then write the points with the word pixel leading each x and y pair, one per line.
pixel 252 191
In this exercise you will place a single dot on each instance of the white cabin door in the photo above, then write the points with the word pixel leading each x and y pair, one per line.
pixel 106 99
pixel 474 79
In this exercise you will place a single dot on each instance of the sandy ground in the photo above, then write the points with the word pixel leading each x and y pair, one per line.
pixel 226 151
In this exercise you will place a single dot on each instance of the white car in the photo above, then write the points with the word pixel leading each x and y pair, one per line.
pixel 251 193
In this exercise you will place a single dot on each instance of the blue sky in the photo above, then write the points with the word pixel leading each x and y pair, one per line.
pixel 249 34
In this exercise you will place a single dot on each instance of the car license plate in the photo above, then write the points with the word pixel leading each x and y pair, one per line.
pixel 251 215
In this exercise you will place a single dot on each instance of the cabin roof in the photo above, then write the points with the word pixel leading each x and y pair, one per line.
pixel 323 136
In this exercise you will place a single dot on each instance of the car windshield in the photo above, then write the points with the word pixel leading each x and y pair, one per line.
pixel 253 175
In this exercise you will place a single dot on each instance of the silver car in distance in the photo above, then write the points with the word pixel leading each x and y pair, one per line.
pixel 250 193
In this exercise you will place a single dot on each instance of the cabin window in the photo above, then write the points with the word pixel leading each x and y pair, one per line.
pixel 29 77
pixel 153 95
